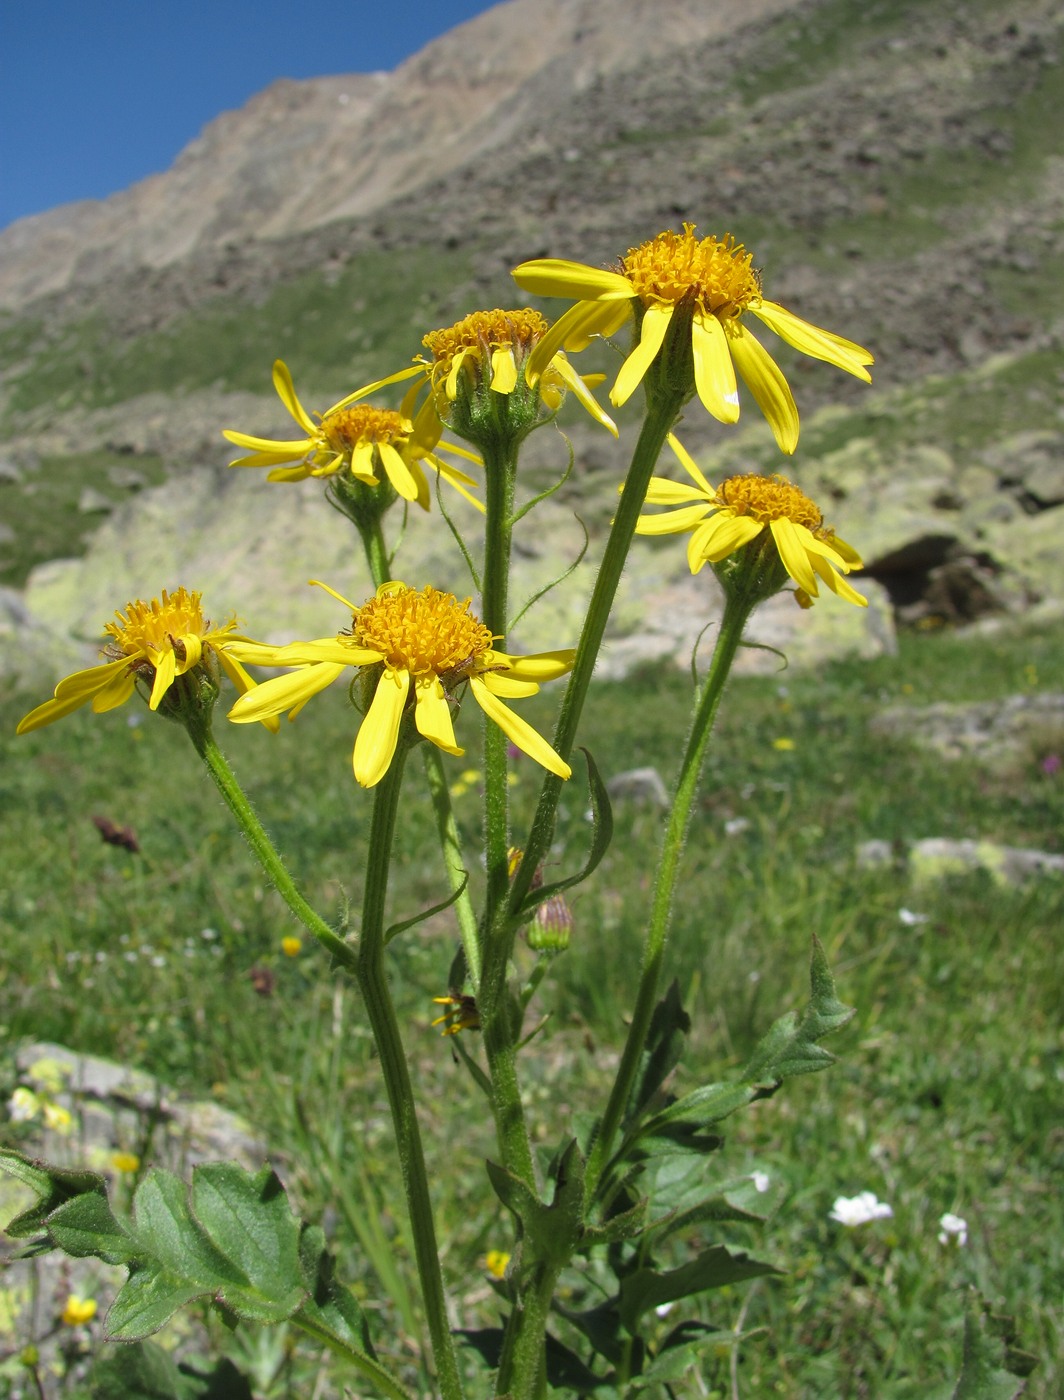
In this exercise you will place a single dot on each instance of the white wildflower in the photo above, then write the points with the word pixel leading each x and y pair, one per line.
pixel 859 1210
pixel 953 1228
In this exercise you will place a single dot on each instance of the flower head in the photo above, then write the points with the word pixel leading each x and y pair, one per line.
pixel 495 1261
pixel 291 946
pixel 953 1229
pixel 77 1311
pixel 356 439
pixel 418 649
pixel 461 1013
pixel 128 1163
pixel 494 349
pixel 860 1209
pixel 155 642
pixel 713 285
pixel 743 509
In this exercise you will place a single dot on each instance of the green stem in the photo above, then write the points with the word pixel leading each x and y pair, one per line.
pixel 237 802
pixel 372 1370
pixel 454 864
pixel 380 1009
pixel 662 412
pixel 737 609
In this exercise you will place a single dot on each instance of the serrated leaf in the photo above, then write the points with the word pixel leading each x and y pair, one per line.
pixel 85 1227
pixel 248 1219
pixel 666 1037
pixel 329 1306
pixel 790 1048
pixel 53 1185
pixel 147 1301
pixel 167 1234
pixel 714 1268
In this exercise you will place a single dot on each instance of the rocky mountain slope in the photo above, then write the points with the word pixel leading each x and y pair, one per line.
pixel 895 165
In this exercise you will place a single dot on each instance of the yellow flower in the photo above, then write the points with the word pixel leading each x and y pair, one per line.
pixel 721 521
pixel 77 1311
pixel 356 438
pixel 155 642
pixel 495 1261
pixel 497 346
pixel 125 1162
pixel 427 645
pixel 58 1119
pixel 461 1014
pixel 712 281
pixel 291 946
pixel 783 745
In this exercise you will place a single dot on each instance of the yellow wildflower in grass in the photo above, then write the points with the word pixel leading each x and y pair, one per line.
pixel 77 1311
pixel 427 646
pixel 497 346
pixel 723 520
pixel 495 1261
pixel 784 745
pixel 358 439
pixel 128 1163
pixel 291 946
pixel 155 642
pixel 714 283
pixel 461 1013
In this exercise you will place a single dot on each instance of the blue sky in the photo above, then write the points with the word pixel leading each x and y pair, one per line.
pixel 95 94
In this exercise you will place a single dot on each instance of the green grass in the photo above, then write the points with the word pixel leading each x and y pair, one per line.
pixel 947 1096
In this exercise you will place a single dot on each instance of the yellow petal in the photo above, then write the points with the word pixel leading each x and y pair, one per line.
pixel 813 341
pixel 764 378
pixel 286 392
pixel 672 522
pixel 664 492
pixel 538 666
pixel 722 534
pixel 432 714
pixel 573 331
pixel 714 371
pixel 283 693
pixel 519 731
pixel 503 370
pixel 399 472
pixel 368 389
pixel 283 451
pixel 71 693
pixel 651 334
pixel 555 277
pixel 579 388
pixel 690 466
pixel 836 582
pixel 791 545
pixel 379 731
pixel 116 692
pixel 243 682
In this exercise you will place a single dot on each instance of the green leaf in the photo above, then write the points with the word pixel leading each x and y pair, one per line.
pixel 248 1219
pixel 667 1034
pixel 714 1268
pixel 147 1301
pixel 139 1372
pixel 84 1227
pixel 168 1236
pixel 53 1185
pixel 395 929
pixel 987 1371
pixel 602 835
pixel 565 1370
pixel 789 1048
pixel 552 1231
pixel 330 1308
pixel 144 1371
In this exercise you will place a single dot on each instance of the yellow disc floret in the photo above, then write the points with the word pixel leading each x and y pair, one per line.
pixel 161 625
pixel 717 273
pixel 484 332
pixel 426 632
pixel 348 427
pixel 768 498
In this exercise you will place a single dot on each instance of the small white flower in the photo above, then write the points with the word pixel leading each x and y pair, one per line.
pixel 735 826
pixel 859 1210
pixel 760 1180
pixel 953 1228
pixel 663 1309
pixel 910 919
